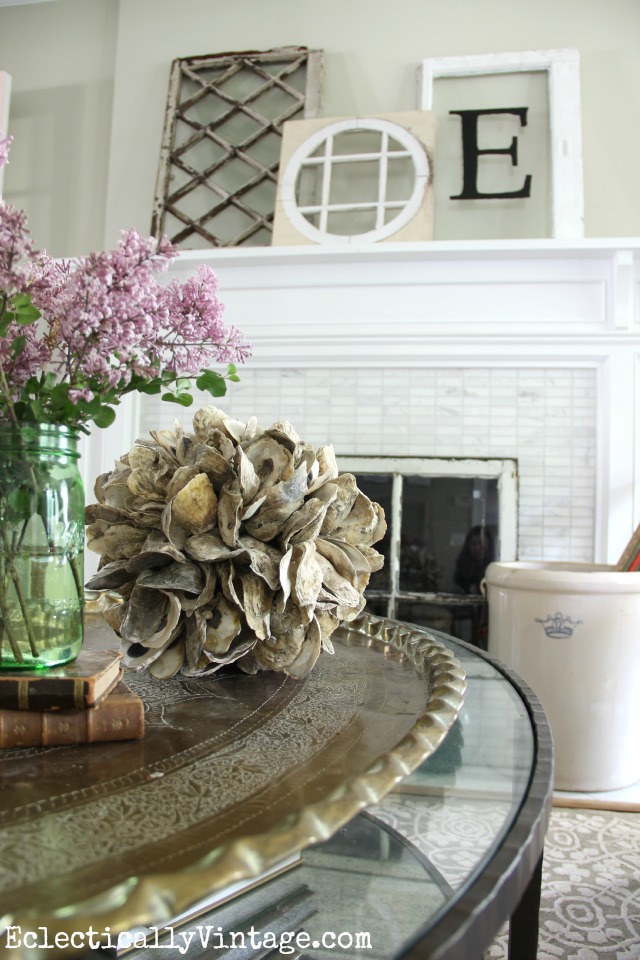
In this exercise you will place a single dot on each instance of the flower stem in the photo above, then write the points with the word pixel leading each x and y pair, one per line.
pixel 15 577
pixel 77 579
pixel 4 388
pixel 6 620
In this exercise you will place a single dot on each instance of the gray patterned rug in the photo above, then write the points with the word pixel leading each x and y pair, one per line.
pixel 590 888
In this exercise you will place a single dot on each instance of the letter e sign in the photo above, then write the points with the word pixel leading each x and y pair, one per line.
pixel 471 153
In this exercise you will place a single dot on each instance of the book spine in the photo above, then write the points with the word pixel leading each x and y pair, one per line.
pixel 628 562
pixel 121 720
pixel 23 694
pixel 64 728
pixel 634 564
pixel 20 728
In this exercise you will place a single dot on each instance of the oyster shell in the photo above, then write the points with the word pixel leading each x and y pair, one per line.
pixel 229 510
pixel 283 499
pixel 270 460
pixel 309 652
pixel 151 617
pixel 195 505
pixel 169 662
pixel 119 540
pixel 223 627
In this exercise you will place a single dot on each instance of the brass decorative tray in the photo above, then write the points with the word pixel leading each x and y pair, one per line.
pixel 234 774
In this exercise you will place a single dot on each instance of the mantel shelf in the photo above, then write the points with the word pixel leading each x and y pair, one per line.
pixel 394 252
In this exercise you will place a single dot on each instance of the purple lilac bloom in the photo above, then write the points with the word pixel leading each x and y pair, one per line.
pixel 30 362
pixel 15 248
pixel 4 149
pixel 105 317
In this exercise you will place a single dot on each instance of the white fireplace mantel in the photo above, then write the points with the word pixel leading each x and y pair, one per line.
pixel 539 305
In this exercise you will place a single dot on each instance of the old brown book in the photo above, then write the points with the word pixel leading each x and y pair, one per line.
pixel 120 716
pixel 72 686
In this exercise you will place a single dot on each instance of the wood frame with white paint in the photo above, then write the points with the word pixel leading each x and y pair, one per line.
pixel 563 69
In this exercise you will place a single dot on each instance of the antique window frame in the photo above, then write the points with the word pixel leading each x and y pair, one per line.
pixel 504 470
pixel 308 105
pixel 565 117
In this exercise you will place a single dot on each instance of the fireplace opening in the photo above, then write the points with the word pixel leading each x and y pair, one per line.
pixel 446 520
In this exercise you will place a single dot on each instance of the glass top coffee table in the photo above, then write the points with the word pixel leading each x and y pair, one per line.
pixel 125 830
pixel 455 849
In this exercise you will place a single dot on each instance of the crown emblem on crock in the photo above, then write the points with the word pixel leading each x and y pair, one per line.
pixel 557 625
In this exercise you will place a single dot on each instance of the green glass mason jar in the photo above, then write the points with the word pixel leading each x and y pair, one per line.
pixel 41 546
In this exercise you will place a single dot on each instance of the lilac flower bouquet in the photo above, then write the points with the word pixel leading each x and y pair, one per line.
pixel 76 336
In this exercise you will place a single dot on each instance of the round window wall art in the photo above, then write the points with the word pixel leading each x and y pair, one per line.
pixel 356 180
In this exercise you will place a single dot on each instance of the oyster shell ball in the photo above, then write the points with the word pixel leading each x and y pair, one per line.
pixel 233 544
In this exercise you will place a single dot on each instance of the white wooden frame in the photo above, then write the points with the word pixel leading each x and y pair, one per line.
pixel 563 68
pixel 5 93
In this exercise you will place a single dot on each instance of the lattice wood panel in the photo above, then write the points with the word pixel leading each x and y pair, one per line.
pixel 221 142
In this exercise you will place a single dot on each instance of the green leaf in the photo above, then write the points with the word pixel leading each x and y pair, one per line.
pixel 104 417
pixel 37 409
pixel 152 387
pixel 21 299
pixel 6 321
pixel 184 399
pixel 142 385
pixel 18 344
pixel 27 315
pixel 231 368
pixel 212 382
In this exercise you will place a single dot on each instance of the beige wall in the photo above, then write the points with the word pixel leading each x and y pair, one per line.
pixel 90 83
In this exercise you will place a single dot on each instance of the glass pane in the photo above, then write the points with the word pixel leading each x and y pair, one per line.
pixel 448 534
pixel 378 486
pixel 401 178
pixel 309 186
pixel 349 223
pixel 350 142
pixel 485 218
pixel 355 182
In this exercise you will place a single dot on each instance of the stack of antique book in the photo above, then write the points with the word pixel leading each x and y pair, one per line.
pixel 85 701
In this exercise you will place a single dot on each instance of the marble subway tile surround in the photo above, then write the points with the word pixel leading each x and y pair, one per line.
pixel 544 418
